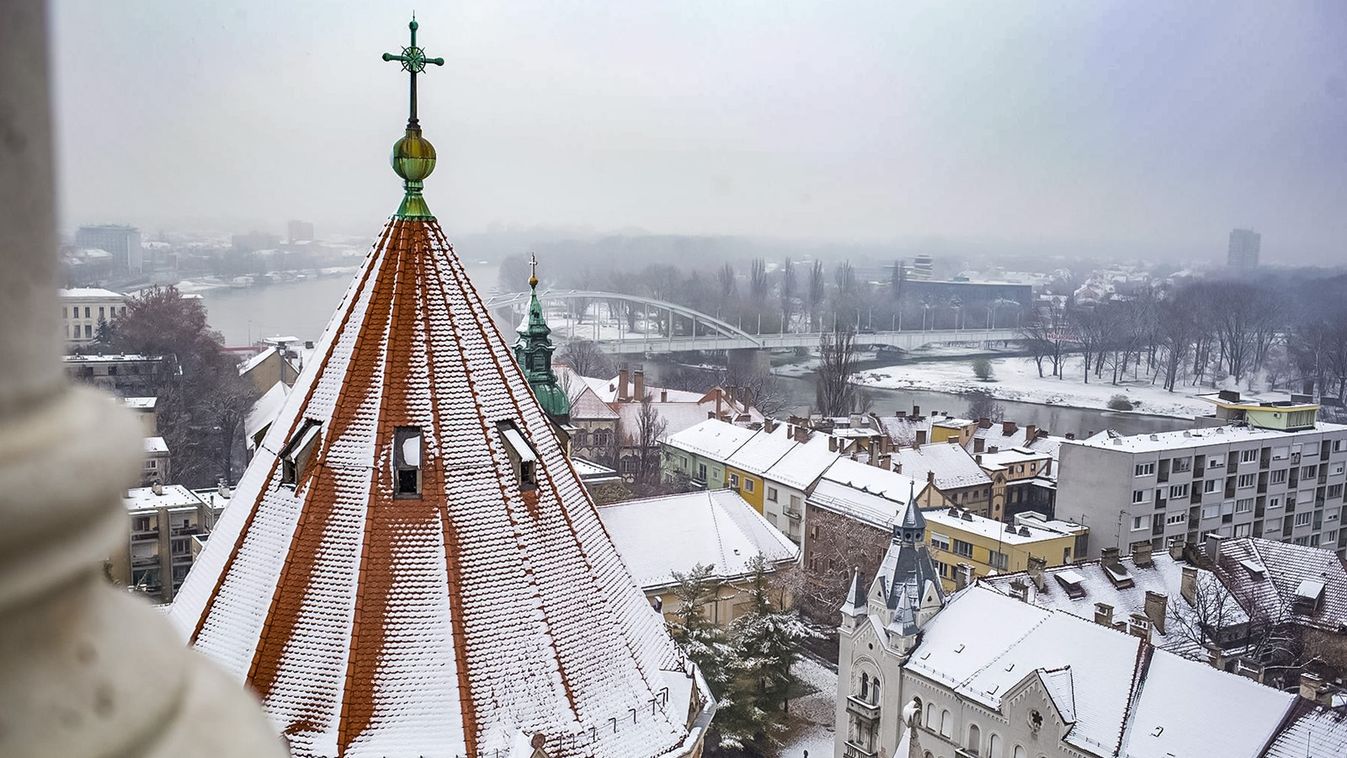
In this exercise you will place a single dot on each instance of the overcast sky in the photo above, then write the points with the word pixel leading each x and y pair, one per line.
pixel 1154 124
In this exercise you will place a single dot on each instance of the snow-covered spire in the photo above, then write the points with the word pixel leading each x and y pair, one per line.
pixel 855 602
pixel 911 529
pixel 533 349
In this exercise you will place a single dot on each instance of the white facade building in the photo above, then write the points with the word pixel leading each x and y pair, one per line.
pixel 83 307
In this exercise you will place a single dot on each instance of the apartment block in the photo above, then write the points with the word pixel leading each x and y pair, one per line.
pixel 83 308
pixel 1280 481
pixel 163 522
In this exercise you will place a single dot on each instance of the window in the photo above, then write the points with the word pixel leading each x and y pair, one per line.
pixel 1244 505
pixel 1176 518
pixel 1246 481
pixel 1178 490
pixel 1215 461
pixel 140 524
pixel 974 738
pixel 734 481
pixel 1303 519
pixel 1210 486
pixel 701 471
pixel 1181 465
pixel 86 312
pixel 1334 491
pixel 771 494
pixel 88 331
pixel 963 548
pixel 1335 468
pixel 407 461
pixel 939 541
pixel 1248 456
pixel 1141 522
pixel 1140 496
pixel 994 747
pixel 1242 530
pixel 1145 469
pixel 1309 472
pixel 748 484
pixel 1018 752
pixel 522 456
pixel 946 724
pixel 998 560
pixel 930 716
pixel 1211 511
pixel 1278 476
pixel 1274 502
pixel 100 312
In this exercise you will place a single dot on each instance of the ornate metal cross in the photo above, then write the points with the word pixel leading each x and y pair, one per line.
pixel 414 61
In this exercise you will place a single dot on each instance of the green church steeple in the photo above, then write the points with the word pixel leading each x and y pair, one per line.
pixel 534 351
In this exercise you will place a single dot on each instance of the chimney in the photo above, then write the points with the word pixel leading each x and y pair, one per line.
pixel 1035 571
pixel 930 478
pixel 984 423
pixel 221 488
pixel 1214 547
pixel 921 438
pixel 1103 614
pixel 1176 546
pixel 719 393
pixel 1156 604
pixel 1311 686
pixel 1019 589
pixel 1008 428
pixel 157 488
pixel 1030 433
pixel 622 383
pixel 885 461
pixel 1188 585
pixel 1216 657
pixel 638 376
pixel 1109 557
pixel 979 444
pixel 832 444
pixel 1141 555
pixel 898 467
pixel 916 411
pixel 801 434
pixel 1139 626
pixel 963 576
pixel 978 457
pixel 664 396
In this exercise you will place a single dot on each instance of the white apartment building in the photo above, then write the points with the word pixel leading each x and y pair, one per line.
pixel 1239 480
pixel 81 309
pixel 162 522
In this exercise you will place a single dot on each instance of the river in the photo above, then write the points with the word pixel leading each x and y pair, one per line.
pixel 302 308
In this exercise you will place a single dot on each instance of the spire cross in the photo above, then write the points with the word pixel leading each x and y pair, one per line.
pixel 533 270
pixel 414 61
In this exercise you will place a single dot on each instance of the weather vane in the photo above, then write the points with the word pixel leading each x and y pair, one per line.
pixel 414 61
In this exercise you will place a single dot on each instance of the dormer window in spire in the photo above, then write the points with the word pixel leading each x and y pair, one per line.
pixel 407 461
pixel 295 456
pixel 523 458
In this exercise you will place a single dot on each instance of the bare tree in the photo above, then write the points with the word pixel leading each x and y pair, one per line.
pixel 835 395
pixel 725 278
pixel 650 426
pixel 1047 334
pixel 788 285
pixel 983 405
pixel 817 288
pixel 586 359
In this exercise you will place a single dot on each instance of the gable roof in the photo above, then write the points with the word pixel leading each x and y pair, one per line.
pixel 660 535
pixel 712 438
pixel 453 621
pixel 1125 699
pixel 1287 567
pixel 951 465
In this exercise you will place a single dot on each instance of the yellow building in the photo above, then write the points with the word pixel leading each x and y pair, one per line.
pixel 659 537
pixel 948 428
pixel 745 467
pixel 1287 415
pixel 985 545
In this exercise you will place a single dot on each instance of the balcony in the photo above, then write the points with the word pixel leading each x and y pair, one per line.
pixel 857 750
pixel 144 561
pixel 863 708
pixel 141 535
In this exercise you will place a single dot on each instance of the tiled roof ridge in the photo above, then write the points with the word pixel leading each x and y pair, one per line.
pixel 1032 628
pixel 1140 668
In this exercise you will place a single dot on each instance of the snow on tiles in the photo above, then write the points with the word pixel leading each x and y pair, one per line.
pixel 408 518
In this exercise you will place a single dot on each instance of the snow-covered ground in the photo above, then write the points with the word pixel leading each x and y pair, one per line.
pixel 811 716
pixel 1017 379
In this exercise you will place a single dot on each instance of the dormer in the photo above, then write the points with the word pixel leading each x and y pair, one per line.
pixel 407 449
pixel 523 458
pixel 296 456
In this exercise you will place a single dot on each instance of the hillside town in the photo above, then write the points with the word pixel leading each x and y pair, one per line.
pixel 316 494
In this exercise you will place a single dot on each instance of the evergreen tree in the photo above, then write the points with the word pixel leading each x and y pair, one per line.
pixel 103 334
pixel 700 639
pixel 766 642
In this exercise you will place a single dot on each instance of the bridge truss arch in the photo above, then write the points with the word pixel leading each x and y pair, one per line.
pixel 648 304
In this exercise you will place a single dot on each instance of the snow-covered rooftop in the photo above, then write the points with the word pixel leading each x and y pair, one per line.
pixel 873 479
pixel 1290 572
pixel 1190 438
pixel 89 293
pixel 140 403
pixel 711 438
pixel 264 411
pixel 951 465
pixel 804 463
pixel 155 445
pixel 985 527
pixel 661 535
pixel 169 496
pixel 877 501
pixel 761 452
pixel 256 360
pixel 1115 696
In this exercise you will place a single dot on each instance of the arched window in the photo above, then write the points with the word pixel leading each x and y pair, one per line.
pixel 1019 752
pixel 946 724
pixel 874 690
pixel 865 686
pixel 994 747
pixel 916 713
pixel 930 716
pixel 974 739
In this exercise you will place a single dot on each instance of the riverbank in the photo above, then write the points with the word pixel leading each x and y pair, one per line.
pixel 1017 380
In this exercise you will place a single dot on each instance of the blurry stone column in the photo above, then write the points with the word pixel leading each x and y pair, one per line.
pixel 85 669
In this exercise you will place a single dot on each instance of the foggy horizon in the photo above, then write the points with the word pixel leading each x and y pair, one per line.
pixel 1090 130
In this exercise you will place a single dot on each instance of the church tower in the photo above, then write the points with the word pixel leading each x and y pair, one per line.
pixel 533 350
pixel 410 565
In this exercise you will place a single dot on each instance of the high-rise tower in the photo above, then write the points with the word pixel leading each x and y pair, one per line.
pixel 410 565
